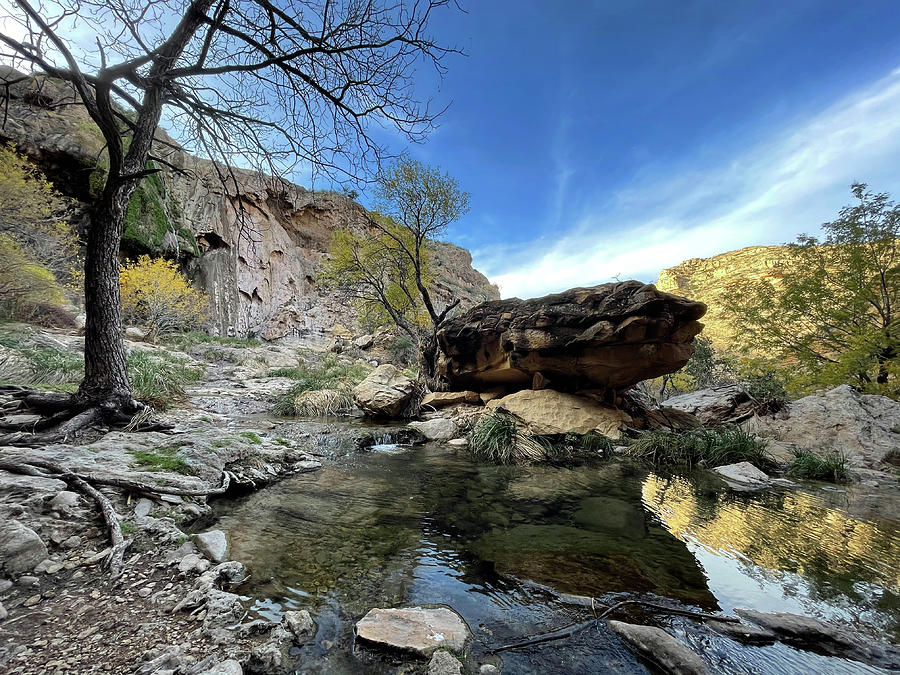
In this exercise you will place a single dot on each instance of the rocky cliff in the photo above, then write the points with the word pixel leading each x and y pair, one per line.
pixel 709 280
pixel 260 269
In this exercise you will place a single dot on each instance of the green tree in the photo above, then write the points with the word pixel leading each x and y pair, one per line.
pixel 388 271
pixel 37 245
pixel 832 316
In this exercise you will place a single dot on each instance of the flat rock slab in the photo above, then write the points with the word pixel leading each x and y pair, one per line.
pixel 421 630
pixel 438 429
pixel 744 475
pixel 659 647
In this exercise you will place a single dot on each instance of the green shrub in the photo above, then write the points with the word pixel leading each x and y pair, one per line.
pixel 831 467
pixel 711 447
pixel 403 351
pixel 498 438
pixel 159 380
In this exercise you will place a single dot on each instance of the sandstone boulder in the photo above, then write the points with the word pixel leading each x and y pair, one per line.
pixel 553 412
pixel 386 392
pixel 444 399
pixel 606 337
pixel 865 427
pixel 420 630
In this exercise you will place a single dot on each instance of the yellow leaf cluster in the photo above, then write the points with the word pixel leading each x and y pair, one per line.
pixel 155 294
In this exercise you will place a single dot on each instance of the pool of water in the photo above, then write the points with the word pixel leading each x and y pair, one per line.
pixel 503 545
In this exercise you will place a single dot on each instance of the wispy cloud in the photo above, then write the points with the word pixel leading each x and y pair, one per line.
pixel 766 194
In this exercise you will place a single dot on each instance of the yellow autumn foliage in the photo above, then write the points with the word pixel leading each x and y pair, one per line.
pixel 156 295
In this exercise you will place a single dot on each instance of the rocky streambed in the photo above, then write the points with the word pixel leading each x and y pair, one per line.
pixel 328 520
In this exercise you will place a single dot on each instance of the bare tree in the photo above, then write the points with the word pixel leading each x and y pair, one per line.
pixel 277 85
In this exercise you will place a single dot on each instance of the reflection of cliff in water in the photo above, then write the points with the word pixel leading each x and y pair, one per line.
pixel 786 538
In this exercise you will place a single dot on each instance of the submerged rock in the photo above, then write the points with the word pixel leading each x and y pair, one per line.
pixel 421 630
pixel 606 337
pixel 21 549
pixel 553 412
pixel 660 647
pixel 815 635
pixel 386 392
pixel 744 475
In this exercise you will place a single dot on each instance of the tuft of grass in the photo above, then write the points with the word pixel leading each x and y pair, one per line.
pixel 330 373
pixel 185 341
pixel 251 436
pixel 54 366
pixel 590 443
pixel 323 402
pixel 830 467
pixel 498 438
pixel 158 379
pixel 164 459
pixel 127 527
pixel 711 447
pixel 283 441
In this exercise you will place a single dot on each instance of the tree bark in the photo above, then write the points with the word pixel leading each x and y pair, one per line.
pixel 105 367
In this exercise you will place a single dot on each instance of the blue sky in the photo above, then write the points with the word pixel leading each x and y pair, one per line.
pixel 602 139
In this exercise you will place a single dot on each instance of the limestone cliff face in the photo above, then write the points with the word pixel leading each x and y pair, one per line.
pixel 260 269
pixel 709 280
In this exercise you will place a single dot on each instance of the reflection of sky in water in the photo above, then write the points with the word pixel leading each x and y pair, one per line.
pixel 786 552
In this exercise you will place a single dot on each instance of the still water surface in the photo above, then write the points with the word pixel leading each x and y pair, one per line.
pixel 501 544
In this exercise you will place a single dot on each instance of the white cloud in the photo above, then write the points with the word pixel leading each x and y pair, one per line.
pixel 786 185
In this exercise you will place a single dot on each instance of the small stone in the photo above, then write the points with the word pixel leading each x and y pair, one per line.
pixel 33 600
pixel 20 547
pixel 458 442
pixel 28 581
pixel 5 585
pixel 87 632
pixel 143 507
pixel 193 563
pixel 3 612
pixel 144 592
pixel 488 669
pixel 444 663
pixel 663 649
pixel 299 623
pixel 212 544
pixel 71 542
pixel 65 499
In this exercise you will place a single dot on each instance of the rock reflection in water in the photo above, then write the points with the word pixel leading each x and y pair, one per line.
pixel 786 551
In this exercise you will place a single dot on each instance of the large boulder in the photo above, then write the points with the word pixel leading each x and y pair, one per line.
pixel 730 403
pixel 552 412
pixel 386 392
pixel 865 427
pixel 606 337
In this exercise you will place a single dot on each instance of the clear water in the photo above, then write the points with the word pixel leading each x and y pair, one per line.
pixel 500 545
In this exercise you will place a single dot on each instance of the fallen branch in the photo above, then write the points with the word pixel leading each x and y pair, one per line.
pixel 573 629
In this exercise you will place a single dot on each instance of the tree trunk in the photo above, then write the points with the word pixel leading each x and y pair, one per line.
pixel 428 353
pixel 105 368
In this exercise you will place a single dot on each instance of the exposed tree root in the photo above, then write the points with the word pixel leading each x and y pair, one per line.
pixel 65 414
pixel 85 484
pixel 572 629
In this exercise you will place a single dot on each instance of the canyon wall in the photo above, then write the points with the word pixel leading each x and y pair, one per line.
pixel 258 263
